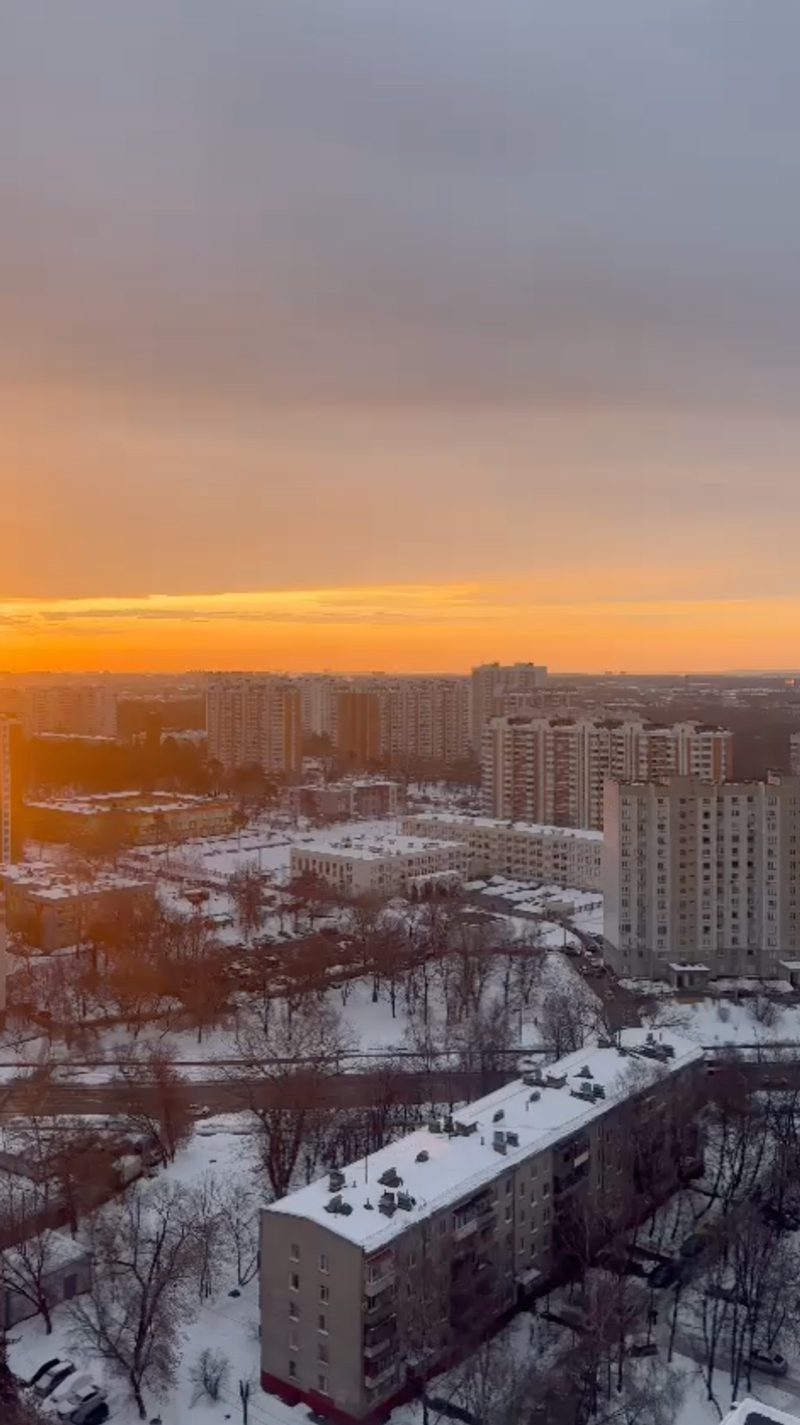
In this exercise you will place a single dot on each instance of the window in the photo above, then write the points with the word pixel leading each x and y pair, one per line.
pixel 509 1185
pixel 508 1214
pixel 322 1323
pixel 322 1353
pixel 294 1341
pixel 322 1382
pixel 294 1282
pixel 294 1252
pixel 324 1264
pixel 293 1370
pixel 324 1294
pixel 294 1311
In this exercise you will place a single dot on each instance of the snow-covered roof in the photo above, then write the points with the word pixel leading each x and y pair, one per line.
pixel 372 845
pixel 460 1164
pixel 41 881
pixel 488 823
pixel 754 1412
pixel 127 802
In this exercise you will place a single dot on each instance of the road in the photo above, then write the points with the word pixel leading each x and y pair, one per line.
pixel 229 1095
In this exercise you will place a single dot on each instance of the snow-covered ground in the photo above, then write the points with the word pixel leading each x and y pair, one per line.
pixel 725 1022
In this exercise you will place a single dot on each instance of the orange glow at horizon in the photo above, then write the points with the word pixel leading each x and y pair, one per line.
pixel 412 628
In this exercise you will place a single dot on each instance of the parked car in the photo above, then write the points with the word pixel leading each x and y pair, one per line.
pixel 84 1389
pixel 92 1413
pixel 45 1366
pixel 770 1363
pixel 52 1378
pixel 664 1275
pixel 638 1349
pixel 71 1388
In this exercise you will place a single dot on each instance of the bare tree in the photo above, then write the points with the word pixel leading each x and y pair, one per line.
pixel 151 1097
pixel 246 887
pixel 143 1251
pixel 567 1018
pixel 240 1221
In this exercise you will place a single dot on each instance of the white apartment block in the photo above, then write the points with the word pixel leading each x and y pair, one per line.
pixel 318 703
pixel 399 1262
pixel 391 865
pixel 701 878
pixel 75 709
pixel 252 719
pixel 497 689
pixel 553 770
pixel 553 855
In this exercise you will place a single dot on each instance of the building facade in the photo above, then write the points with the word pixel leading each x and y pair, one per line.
pixel 386 866
pixel 405 721
pixel 794 753
pixel 498 689
pixel 553 770
pixel 361 797
pixel 553 855
pixel 53 911
pixel 254 720
pixel 701 878
pixel 76 709
pixel 318 705
pixel 383 1272
pixel 11 816
pixel 128 819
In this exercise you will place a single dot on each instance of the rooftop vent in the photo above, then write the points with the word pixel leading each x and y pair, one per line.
pixel 535 1096
pixel 512 1140
pixel 598 1091
pixel 435 1125
pixel 406 1201
pixel 499 1141
pixel 390 1178
pixel 336 1204
pixel 555 1081
pixel 603 1042
pixel 585 1073
pixel 531 1077
pixel 387 1204
pixel 422 1157
pixel 336 1180
pixel 498 1116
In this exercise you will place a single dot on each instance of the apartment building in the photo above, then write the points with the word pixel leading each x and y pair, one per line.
pixel 128 819
pixel 701 878
pixel 75 709
pixel 379 1274
pixel 254 720
pixel 554 855
pixel 388 865
pixel 404 721
pixel 318 703
pixel 553 770
pixel 11 823
pixel 54 910
pixel 498 689
pixel 794 753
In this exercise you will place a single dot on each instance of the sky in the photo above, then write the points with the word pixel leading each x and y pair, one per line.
pixel 397 334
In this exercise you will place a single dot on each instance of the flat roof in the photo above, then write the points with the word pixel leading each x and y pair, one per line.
pixel 44 882
pixel 127 802
pixel 491 823
pixel 754 1412
pixel 459 1165
pixel 372 846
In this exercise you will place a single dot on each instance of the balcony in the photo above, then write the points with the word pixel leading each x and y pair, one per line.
pixel 379 1308
pixel 377 1339
pixel 378 1371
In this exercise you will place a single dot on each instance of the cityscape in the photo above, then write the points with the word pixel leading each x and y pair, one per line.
pixel 399 713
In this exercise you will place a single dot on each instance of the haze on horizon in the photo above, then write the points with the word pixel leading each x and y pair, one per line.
pixel 399 336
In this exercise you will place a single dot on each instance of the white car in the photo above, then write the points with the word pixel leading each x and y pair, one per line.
pixel 69 1394
pixel 52 1378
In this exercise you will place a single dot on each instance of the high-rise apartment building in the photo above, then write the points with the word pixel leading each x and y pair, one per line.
pixel 318 703
pixel 794 753
pixel 701 878
pixel 553 770
pixel 405 720
pixel 253 719
pixel 11 829
pixel 408 1258
pixel 499 689
pixel 76 709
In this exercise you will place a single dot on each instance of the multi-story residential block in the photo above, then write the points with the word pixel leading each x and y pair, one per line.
pixel 386 865
pixel 11 820
pixel 53 910
pixel 78 709
pixel 404 721
pixel 128 819
pixel 377 1275
pixel 254 720
pixel 360 797
pixel 498 690
pixel 701 878
pixel 554 855
pixel 318 703
pixel 794 753
pixel 553 770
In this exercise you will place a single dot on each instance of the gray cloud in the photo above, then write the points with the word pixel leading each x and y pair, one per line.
pixel 516 203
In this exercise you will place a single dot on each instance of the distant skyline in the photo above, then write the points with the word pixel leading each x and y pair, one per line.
pixel 403 336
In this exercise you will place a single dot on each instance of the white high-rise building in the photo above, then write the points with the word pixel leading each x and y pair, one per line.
pixel 701 878
pixel 553 770
pixel 495 687
pixel 254 720
pixel 318 693
pixel 75 709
